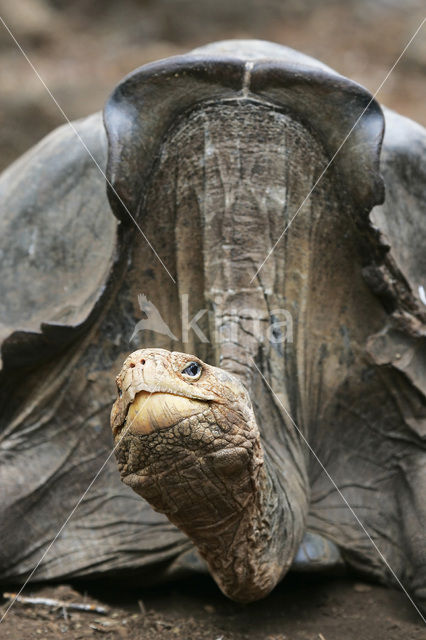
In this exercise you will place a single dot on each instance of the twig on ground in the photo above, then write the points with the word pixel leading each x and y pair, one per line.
pixel 52 602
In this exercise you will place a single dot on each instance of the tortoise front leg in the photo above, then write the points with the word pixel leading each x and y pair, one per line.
pixel 411 492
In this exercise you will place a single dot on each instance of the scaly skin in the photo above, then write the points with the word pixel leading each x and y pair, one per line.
pixel 204 467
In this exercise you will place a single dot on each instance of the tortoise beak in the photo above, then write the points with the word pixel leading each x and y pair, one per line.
pixel 151 412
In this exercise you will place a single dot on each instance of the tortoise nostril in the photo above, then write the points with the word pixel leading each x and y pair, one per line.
pixel 142 361
pixel 132 365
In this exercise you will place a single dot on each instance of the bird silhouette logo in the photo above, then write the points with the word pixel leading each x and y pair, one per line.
pixel 153 320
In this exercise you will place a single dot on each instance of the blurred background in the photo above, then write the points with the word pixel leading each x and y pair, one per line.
pixel 82 49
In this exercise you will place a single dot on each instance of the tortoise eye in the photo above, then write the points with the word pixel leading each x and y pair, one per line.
pixel 192 370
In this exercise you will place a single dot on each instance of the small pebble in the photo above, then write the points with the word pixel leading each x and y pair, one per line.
pixel 361 587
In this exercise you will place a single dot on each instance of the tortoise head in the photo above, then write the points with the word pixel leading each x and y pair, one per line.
pixel 180 424
pixel 158 389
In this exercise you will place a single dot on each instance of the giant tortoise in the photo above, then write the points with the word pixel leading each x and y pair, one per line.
pixel 260 226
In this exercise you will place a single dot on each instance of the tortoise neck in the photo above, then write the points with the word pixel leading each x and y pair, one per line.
pixel 250 549
pixel 214 480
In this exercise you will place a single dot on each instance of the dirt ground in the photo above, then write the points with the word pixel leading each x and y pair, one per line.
pixel 301 608
pixel 81 50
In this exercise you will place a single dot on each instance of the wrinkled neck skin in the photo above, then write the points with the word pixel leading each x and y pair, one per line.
pixel 249 541
pixel 240 173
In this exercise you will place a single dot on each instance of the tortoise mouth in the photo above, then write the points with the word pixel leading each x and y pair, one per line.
pixel 150 412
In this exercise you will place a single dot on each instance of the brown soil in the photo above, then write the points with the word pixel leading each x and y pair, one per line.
pixel 301 608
